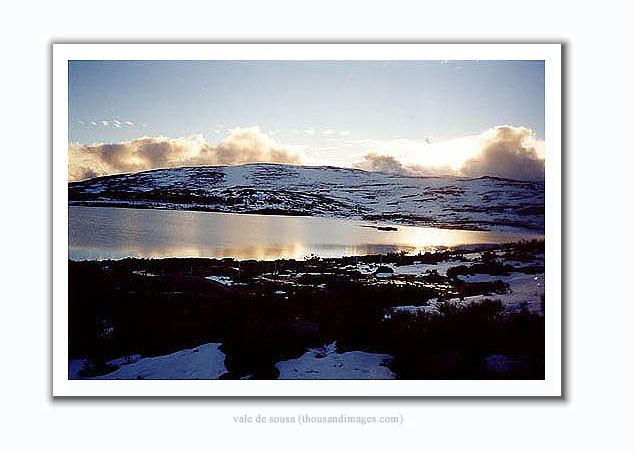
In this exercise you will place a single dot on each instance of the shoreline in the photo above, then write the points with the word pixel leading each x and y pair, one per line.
pixel 265 312
pixel 386 220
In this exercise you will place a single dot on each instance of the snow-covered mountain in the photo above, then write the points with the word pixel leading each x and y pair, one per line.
pixel 482 203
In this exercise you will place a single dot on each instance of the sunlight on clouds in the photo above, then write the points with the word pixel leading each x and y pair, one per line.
pixel 241 146
pixel 450 153
pixel 506 151
pixel 509 152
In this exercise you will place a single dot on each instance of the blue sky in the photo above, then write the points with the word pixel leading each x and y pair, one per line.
pixel 414 100
pixel 334 112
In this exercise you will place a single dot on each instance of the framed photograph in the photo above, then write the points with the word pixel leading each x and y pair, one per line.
pixel 307 220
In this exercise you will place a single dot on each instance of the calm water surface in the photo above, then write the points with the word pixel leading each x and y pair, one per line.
pixel 113 233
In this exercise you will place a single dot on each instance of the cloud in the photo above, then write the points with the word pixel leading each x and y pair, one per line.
pixel 423 152
pixel 243 145
pixel 508 152
pixel 504 151
pixel 381 163
pixel 390 165
pixel 106 123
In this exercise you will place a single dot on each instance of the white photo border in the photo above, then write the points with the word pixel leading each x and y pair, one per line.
pixel 551 386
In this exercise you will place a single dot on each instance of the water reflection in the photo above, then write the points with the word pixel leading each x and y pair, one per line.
pixel 103 233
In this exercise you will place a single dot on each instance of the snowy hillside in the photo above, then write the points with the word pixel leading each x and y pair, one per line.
pixel 483 203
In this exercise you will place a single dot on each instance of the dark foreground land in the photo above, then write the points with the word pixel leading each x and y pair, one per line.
pixel 436 322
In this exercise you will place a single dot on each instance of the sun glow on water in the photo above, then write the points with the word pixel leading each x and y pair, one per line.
pixel 146 233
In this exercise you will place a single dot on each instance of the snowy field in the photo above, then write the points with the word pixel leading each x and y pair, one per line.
pixel 204 362
pixel 524 290
pixel 421 269
pixel 207 362
pixel 326 363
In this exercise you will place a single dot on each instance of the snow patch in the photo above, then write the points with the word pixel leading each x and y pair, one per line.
pixel 422 269
pixel 326 363
pixel 203 362
pixel 224 280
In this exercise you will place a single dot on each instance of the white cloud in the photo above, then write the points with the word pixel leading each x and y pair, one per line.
pixel 391 165
pixel 509 152
pixel 105 123
pixel 241 146
pixel 504 151
pixel 423 153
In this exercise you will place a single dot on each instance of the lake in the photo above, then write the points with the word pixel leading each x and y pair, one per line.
pixel 97 233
